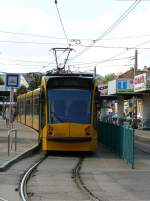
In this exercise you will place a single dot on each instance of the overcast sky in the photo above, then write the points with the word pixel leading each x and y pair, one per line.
pixel 84 21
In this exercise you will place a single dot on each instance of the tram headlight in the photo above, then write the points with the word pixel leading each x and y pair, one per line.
pixel 50 130
pixel 88 130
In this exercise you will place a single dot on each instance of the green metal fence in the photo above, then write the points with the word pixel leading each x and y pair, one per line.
pixel 120 139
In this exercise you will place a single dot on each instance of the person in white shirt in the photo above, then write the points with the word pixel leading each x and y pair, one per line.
pixel 7 116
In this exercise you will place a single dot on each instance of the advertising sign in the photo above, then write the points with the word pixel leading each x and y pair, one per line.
pixel 12 80
pixel 112 87
pixel 125 86
pixel 103 88
pixel 142 82
pixel 148 81
pixel 120 86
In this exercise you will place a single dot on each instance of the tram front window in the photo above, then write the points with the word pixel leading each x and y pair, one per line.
pixel 69 105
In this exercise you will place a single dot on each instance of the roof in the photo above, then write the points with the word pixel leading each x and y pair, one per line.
pixel 130 73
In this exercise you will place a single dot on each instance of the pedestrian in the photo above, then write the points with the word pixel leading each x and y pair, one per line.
pixel 7 116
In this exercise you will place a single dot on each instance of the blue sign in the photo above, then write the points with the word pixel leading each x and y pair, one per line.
pixel 122 84
pixel 12 80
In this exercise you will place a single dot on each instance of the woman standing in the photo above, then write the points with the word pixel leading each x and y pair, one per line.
pixel 7 116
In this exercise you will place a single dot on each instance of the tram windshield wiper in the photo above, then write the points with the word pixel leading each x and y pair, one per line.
pixel 54 115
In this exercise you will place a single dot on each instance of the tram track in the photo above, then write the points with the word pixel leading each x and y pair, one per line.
pixel 76 175
pixel 2 199
pixel 25 178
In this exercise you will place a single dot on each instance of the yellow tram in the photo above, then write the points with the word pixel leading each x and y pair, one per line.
pixel 63 110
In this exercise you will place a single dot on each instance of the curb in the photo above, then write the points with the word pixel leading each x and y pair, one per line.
pixel 142 146
pixel 25 154
pixel 142 138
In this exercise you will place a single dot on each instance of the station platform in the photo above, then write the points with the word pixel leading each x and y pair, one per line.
pixel 26 143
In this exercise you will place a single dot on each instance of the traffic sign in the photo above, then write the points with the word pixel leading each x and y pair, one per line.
pixel 12 80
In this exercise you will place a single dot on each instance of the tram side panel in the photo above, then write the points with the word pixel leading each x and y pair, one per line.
pixel 36 109
pixel 29 109
pixel 22 109
pixel 18 110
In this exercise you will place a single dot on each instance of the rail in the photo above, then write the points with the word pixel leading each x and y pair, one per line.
pixel 25 178
pixel 11 133
pixel 2 199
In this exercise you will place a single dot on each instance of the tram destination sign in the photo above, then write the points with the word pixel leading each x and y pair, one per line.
pixel 12 80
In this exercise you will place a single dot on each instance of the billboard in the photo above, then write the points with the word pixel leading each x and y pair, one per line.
pixel 120 86
pixel 112 87
pixel 125 86
pixel 142 82
pixel 103 88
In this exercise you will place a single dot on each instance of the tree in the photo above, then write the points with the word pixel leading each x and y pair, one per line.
pixel 35 82
pixel 109 77
pixel 21 90
pixel 1 81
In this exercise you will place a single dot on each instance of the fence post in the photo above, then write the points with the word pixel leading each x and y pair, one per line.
pixel 133 150
pixel 11 133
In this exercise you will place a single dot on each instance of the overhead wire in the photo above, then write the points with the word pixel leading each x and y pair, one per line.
pixel 109 29
pixel 79 45
pixel 61 38
pixel 31 42
pixel 31 35
pixel 65 33
pixel 95 62
pixel 100 38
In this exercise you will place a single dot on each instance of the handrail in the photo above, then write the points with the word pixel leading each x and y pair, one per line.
pixel 11 133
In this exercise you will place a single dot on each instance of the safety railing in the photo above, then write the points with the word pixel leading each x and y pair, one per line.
pixel 12 137
pixel 119 139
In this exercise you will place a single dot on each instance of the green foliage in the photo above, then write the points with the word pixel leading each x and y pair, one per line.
pixel 1 81
pixel 35 82
pixel 109 77
pixel 21 90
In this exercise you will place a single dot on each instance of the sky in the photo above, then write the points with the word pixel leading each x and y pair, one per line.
pixel 29 29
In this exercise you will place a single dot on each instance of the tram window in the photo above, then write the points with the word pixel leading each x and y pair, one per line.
pixel 22 108
pixel 36 106
pixel 18 107
pixel 43 116
pixel 28 107
pixel 69 105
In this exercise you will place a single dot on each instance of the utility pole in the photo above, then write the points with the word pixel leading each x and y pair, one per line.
pixel 94 71
pixel 136 62
pixel 135 98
